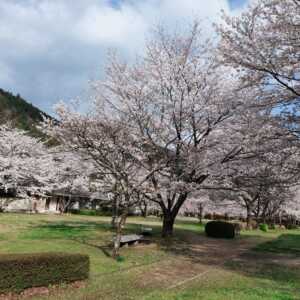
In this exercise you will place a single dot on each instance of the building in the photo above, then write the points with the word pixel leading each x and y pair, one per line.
pixel 57 202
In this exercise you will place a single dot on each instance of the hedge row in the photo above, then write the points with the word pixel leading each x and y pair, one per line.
pixel 21 271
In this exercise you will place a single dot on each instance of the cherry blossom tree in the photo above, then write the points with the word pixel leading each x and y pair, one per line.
pixel 195 205
pixel 25 163
pixel 177 104
pixel 262 175
pixel 263 45
pixel 108 146
pixel 164 126
pixel 73 175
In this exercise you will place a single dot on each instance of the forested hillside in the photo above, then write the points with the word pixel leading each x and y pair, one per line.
pixel 22 114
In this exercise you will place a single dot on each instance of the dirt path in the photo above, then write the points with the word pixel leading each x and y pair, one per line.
pixel 199 255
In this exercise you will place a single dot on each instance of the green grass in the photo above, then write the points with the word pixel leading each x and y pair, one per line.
pixel 285 243
pixel 144 271
pixel 230 287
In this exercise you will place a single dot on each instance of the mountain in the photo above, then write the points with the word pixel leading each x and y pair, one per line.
pixel 22 114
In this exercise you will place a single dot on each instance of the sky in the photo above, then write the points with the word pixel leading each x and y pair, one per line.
pixel 51 49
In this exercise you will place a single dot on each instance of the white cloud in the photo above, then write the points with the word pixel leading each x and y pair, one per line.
pixel 6 74
pixel 106 25
pixel 53 40
pixel 127 25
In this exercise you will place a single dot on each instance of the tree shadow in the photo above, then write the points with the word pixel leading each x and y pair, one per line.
pixel 285 244
pixel 96 234
pixel 106 248
pixel 236 255
pixel 283 270
pixel 247 256
pixel 62 230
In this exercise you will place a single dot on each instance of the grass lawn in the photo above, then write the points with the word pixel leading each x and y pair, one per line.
pixel 190 266
pixel 284 243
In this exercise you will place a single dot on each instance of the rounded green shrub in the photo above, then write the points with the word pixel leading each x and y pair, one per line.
pixel 264 227
pixel 21 271
pixel 221 229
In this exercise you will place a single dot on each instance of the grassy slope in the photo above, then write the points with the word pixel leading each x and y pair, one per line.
pixel 241 279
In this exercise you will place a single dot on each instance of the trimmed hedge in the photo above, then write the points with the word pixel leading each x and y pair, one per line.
pixel 21 271
pixel 221 229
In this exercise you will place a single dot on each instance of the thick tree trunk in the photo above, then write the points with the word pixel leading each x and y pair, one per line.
pixel 170 214
pixel 168 224
pixel 145 211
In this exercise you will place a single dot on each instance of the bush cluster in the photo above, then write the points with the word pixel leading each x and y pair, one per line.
pixel 221 229
pixel 21 271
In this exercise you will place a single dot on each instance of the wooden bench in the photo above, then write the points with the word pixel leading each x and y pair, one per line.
pixel 130 239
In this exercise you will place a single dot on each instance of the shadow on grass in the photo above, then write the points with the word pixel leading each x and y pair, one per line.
pixel 280 269
pixel 277 260
pixel 46 230
pixel 63 230
pixel 285 243
pixel 96 234
pixel 190 243
pixel 106 248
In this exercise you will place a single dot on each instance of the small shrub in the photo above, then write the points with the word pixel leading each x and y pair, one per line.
pixel 263 227
pixel 220 229
pixel 21 271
